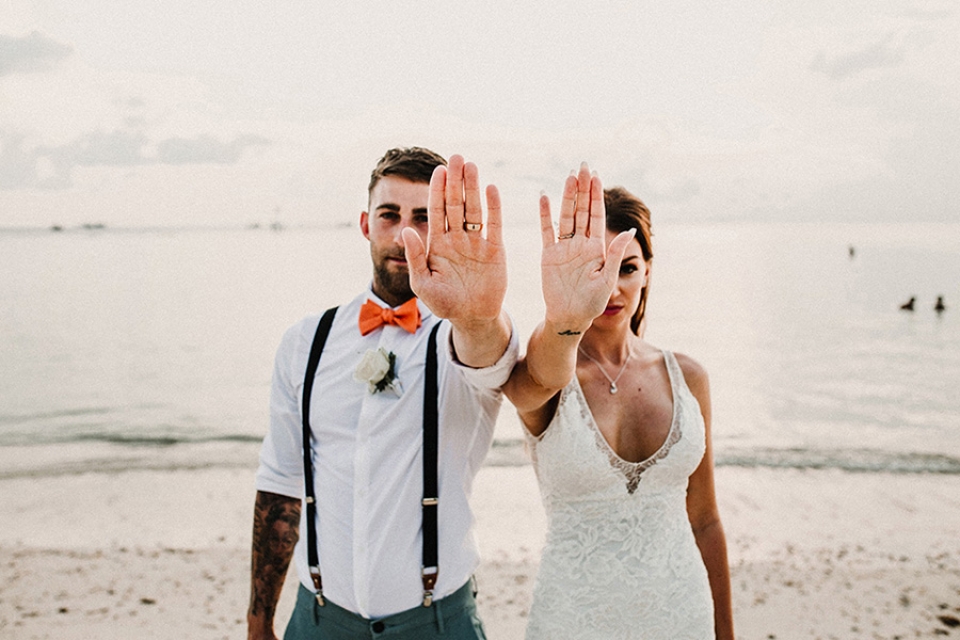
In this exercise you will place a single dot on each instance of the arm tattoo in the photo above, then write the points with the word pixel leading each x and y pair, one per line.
pixel 276 522
pixel 568 332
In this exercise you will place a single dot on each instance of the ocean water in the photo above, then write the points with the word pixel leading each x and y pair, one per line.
pixel 153 347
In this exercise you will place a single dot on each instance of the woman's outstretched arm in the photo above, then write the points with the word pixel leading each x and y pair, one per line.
pixel 578 274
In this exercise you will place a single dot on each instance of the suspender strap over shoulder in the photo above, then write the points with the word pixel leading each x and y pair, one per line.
pixel 430 564
pixel 430 568
pixel 313 559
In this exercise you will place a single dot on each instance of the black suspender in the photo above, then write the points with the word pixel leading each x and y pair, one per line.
pixel 319 340
pixel 430 565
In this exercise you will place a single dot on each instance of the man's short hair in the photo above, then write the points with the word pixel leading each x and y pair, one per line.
pixel 415 164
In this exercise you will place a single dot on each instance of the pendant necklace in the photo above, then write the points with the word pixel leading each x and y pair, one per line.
pixel 612 381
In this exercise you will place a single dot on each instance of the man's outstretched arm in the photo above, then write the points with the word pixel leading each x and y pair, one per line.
pixel 276 529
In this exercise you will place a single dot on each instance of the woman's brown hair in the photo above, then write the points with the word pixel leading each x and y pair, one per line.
pixel 626 211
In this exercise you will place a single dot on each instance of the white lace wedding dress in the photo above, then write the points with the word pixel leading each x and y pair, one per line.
pixel 620 559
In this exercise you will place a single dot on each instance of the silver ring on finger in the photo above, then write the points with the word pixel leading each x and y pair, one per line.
pixel 472 226
pixel 566 236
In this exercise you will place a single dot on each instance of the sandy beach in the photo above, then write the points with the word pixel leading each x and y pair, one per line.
pixel 164 554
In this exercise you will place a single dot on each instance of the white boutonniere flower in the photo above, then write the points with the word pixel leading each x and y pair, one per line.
pixel 378 369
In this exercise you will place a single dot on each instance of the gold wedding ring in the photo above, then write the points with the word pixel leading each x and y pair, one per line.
pixel 566 236
pixel 472 226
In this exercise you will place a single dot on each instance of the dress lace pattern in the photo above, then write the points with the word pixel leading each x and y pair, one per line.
pixel 620 560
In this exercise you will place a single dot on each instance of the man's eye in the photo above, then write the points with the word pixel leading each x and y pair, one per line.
pixel 389 215
pixel 418 220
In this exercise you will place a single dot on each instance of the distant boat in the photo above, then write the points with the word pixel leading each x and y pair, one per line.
pixel 939 307
pixel 93 226
pixel 851 251
pixel 908 305
pixel 56 227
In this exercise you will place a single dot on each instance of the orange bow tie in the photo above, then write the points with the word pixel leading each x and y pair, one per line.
pixel 373 316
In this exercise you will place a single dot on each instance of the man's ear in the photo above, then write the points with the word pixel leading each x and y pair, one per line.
pixel 365 224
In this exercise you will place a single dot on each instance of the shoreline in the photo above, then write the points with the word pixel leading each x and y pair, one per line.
pixel 157 554
pixel 75 458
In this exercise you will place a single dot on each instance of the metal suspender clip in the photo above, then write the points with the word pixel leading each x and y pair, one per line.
pixel 429 574
pixel 429 577
pixel 317 584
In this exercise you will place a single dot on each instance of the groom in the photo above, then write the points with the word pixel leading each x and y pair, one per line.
pixel 390 558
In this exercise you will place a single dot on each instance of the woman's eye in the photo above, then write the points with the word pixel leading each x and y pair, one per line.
pixel 627 269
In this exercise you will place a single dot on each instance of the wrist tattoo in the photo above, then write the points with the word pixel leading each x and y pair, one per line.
pixel 568 332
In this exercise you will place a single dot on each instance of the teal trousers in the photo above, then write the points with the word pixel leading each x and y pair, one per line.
pixel 451 618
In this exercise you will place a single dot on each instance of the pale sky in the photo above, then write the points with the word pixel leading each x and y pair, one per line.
pixel 214 112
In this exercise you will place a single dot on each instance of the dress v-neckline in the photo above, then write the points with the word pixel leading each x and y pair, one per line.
pixel 633 470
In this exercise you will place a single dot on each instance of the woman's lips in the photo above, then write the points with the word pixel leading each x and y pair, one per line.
pixel 612 310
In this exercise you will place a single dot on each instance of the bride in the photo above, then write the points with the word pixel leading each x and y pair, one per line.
pixel 619 432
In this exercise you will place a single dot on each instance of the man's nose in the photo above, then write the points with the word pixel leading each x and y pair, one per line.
pixel 398 232
pixel 404 224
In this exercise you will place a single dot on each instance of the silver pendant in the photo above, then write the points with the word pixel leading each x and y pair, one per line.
pixel 613 387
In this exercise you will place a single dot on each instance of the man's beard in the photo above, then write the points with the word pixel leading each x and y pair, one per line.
pixel 393 286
